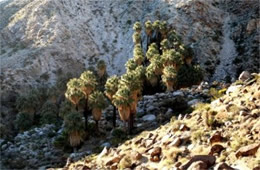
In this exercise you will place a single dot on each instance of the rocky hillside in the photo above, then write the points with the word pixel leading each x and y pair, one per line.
pixel 43 39
pixel 224 134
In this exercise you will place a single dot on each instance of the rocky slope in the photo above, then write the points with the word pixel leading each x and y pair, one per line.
pixel 41 40
pixel 222 135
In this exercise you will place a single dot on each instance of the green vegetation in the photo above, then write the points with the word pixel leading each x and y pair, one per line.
pixel 23 121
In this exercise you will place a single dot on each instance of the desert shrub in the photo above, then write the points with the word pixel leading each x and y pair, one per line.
pixel 215 94
pixel 23 121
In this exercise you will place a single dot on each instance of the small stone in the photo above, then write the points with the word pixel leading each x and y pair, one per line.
pixel 208 159
pixel 136 155
pixel 113 160
pixel 217 148
pixel 114 166
pixel 149 117
pixel 249 150
pixel 106 144
pixel 176 142
pixel 216 137
pixel 156 151
pixel 155 158
pixel 149 142
pixel 178 93
pixel 193 102
pixel 183 127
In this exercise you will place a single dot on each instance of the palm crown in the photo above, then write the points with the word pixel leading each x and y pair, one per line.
pixel 137 27
pixel 88 83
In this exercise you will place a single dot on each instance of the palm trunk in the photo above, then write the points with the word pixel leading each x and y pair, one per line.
pixel 130 123
pixel 97 125
pixel 114 116
pixel 86 113
pixel 77 107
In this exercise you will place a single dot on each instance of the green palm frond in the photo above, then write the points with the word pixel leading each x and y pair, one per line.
pixel 150 72
pixel 122 97
pixel 148 27
pixel 101 64
pixel 130 65
pixel 156 24
pixel 165 44
pixel 111 85
pixel 97 100
pixel 89 80
pixel 152 51
pixel 73 122
pixel 169 74
pixel 163 27
pixel 136 37
pixel 137 27
pixel 172 56
pixel 131 80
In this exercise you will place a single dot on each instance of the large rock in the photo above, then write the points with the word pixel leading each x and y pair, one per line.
pixel 207 159
pixel 249 150
pixel 245 75
pixel 149 117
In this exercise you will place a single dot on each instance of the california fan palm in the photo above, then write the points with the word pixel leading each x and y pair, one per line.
pixel 111 88
pixel 74 126
pixel 97 103
pixel 169 77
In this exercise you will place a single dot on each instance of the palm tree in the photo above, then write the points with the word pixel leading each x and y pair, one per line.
pixel 173 58
pixel 130 65
pixel 163 29
pixel 74 93
pixel 151 76
pixel 187 54
pixel 152 51
pixel 156 25
pixel 157 62
pixel 88 85
pixel 148 28
pixel 169 77
pixel 101 66
pixel 136 38
pixel 138 54
pixel 149 31
pixel 165 45
pixel 89 82
pixel 74 126
pixel 111 88
pixel 137 27
pixel 122 101
pixel 97 103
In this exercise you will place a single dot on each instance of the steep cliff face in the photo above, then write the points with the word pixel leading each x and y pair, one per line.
pixel 42 39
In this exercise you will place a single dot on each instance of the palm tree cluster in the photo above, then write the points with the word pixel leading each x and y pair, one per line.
pixel 165 55
pixel 83 89
pixel 166 59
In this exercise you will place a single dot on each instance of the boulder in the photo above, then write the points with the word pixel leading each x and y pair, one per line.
pixel 217 148
pixel 223 166
pixel 249 150
pixel 245 75
pixel 176 142
pixel 149 117
pixel 113 160
pixel 156 151
pixel 216 137
pixel 207 159
pixel 198 165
